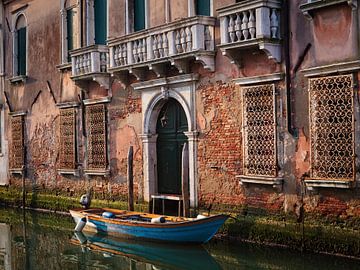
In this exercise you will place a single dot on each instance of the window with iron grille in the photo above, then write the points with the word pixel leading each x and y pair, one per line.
pixel 17 150
pixel 96 137
pixel 67 157
pixel 259 131
pixel 332 127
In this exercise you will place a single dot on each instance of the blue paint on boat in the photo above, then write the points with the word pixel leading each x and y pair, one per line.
pixel 197 232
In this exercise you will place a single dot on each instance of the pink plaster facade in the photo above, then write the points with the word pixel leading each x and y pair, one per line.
pixel 333 35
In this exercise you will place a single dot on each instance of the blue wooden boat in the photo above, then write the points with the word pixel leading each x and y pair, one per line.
pixel 148 226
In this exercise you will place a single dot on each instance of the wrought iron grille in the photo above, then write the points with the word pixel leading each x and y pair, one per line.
pixel 68 138
pixel 332 127
pixel 17 143
pixel 96 137
pixel 259 130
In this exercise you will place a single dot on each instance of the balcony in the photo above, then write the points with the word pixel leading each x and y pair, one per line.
pixel 90 64
pixel 311 6
pixel 173 44
pixel 251 24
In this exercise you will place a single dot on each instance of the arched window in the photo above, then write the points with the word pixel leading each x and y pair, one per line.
pixel 20 41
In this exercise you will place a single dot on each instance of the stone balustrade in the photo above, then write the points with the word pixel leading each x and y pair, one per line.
pixel 251 23
pixel 190 37
pixel 89 60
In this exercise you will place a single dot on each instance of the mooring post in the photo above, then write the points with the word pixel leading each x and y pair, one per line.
pixel 130 179
pixel 23 187
pixel 185 180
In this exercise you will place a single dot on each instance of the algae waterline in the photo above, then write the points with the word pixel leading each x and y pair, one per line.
pixel 316 234
pixel 33 240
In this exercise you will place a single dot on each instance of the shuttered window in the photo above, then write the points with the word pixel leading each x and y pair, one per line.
pixel 70 30
pixel 21 51
pixel 100 21
pixel 203 7
pixel 139 15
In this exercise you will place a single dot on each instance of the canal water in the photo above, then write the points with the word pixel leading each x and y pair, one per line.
pixel 32 240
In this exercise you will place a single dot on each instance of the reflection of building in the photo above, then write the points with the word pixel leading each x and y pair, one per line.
pixel 264 100
pixel 5 247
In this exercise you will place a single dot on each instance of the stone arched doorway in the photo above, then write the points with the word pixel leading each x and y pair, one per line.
pixel 170 128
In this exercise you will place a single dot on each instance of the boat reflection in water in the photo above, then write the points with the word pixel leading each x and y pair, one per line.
pixel 158 255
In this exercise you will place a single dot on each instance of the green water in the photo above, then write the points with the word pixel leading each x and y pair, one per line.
pixel 33 240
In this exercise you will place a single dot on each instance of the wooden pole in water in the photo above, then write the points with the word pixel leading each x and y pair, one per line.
pixel 23 186
pixel 130 179
pixel 185 180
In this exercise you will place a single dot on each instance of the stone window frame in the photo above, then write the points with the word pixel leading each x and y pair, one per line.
pixel 64 33
pixel 16 77
pixel 276 181
pixel 311 182
pixel 20 169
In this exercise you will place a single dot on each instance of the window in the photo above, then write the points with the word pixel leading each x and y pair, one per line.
pixel 20 38
pixel 139 15
pixel 17 150
pixel 259 131
pixel 70 26
pixel 67 155
pixel 331 128
pixel 202 7
pixel 100 14
pixel 96 137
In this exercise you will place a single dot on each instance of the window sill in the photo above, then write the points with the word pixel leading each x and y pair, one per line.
pixel 312 184
pixel 310 7
pixel 104 173
pixel 64 66
pixel 17 171
pixel 18 79
pixel 275 182
pixel 74 172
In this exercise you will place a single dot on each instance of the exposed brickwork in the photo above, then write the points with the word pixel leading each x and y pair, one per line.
pixel 219 148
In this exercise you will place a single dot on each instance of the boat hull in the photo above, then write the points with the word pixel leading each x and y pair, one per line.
pixel 194 231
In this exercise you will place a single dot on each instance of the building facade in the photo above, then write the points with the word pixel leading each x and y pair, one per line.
pixel 261 96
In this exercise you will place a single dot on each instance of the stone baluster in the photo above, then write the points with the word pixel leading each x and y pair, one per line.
pixel 81 64
pixel 140 50
pixel 124 54
pixel 274 23
pixel 144 51
pixel 165 45
pixel 244 25
pixel 135 52
pixel 178 42
pixel 116 55
pixel 103 62
pixel 160 45
pixel 188 39
pixel 238 26
pixel 86 63
pixel 183 39
pixel 155 47
pixel 252 24
pixel 231 28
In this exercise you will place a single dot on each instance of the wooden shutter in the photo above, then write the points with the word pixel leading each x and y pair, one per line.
pixel 139 15
pixel 21 56
pixel 100 21
pixel 203 7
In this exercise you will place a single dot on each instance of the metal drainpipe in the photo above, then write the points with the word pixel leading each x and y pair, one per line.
pixel 286 9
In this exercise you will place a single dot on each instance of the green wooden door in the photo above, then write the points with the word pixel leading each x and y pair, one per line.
pixel 171 125
pixel 203 7
pixel 139 15
pixel 100 14
pixel 21 51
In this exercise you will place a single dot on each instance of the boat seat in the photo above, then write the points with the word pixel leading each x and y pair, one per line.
pixel 163 197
